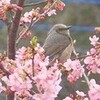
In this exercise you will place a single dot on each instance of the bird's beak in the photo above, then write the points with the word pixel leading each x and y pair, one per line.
pixel 68 27
pixel 65 28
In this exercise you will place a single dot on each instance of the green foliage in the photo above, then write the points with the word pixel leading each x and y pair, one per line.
pixel 33 41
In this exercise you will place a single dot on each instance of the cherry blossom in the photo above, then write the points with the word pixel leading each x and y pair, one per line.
pixel 59 5
pixel 4 2
pixel 31 16
pixel 81 95
pixel 39 49
pixel 92 61
pixel 94 90
pixel 21 79
pixel 68 98
pixel 51 12
pixel 75 70
pixel 93 64
pixel 49 9
pixel 94 40
pixel 48 82
pixel 97 30
pixel 5 6
pixel 28 76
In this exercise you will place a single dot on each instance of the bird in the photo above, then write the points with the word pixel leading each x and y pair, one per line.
pixel 59 44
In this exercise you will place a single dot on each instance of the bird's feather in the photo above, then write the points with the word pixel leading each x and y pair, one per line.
pixel 54 46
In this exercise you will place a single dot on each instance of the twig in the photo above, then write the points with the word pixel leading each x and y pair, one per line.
pixel 4 70
pixel 34 4
pixel 28 76
pixel 28 28
pixel 81 57
pixel 33 64
pixel 86 78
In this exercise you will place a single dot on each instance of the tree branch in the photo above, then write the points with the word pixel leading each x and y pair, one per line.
pixel 12 38
pixel 82 57
pixel 27 29
pixel 4 70
pixel 13 32
pixel 34 4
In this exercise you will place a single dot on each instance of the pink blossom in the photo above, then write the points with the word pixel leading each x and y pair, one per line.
pixel 97 30
pixel 92 68
pixel 93 51
pixel 39 49
pixel 75 75
pixel 94 90
pixel 68 98
pixel 17 83
pixel 23 93
pixel 24 53
pixel 94 40
pixel 4 2
pixel 49 82
pixel 51 12
pixel 29 16
pixel 59 5
pixel 75 70
pixel 80 93
pixel 2 14
pixel 67 65
pixel 93 63
pixel 89 60
pixel 28 34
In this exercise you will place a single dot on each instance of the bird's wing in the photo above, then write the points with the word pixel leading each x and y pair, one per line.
pixel 54 46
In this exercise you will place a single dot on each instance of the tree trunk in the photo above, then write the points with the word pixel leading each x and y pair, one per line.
pixel 11 49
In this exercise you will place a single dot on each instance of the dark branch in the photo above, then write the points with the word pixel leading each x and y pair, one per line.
pixel 12 38
pixel 13 32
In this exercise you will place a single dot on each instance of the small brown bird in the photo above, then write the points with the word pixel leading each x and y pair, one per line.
pixel 58 44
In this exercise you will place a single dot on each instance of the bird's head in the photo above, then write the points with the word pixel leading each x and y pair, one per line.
pixel 60 29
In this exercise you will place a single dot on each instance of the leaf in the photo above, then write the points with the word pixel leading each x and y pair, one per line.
pixel 33 41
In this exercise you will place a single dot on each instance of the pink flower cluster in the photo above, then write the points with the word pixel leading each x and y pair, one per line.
pixel 79 96
pixel 18 82
pixel 6 6
pixel 94 90
pixel 32 15
pixel 4 2
pixel 94 40
pixel 93 59
pixel 30 71
pixel 47 82
pixel 75 70
pixel 58 5
pixel 49 10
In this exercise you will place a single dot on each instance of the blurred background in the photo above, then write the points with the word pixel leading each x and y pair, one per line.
pixel 83 15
